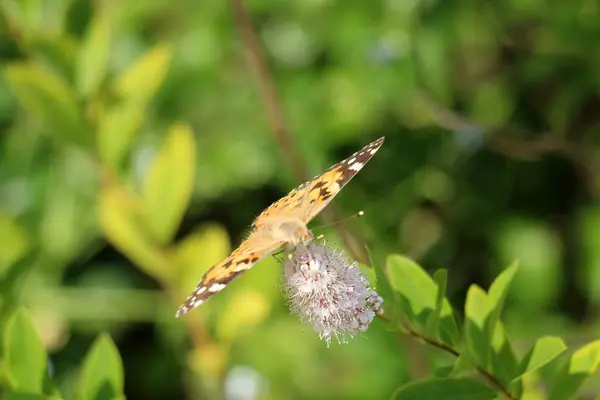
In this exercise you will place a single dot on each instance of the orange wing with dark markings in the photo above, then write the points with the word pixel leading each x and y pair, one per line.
pixel 302 203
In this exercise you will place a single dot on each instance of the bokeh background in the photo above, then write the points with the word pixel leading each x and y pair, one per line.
pixel 136 150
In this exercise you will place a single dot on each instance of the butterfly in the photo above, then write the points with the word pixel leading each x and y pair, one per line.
pixel 282 224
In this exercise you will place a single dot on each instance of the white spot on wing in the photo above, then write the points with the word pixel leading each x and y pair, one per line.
pixel 215 287
pixel 357 166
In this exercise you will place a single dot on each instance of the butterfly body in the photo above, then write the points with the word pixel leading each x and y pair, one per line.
pixel 282 224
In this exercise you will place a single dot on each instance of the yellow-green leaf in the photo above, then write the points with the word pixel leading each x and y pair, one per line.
pixel 418 294
pixel 170 182
pixel 200 250
pixel 582 364
pixel 93 56
pixel 543 351
pixel 102 372
pixel 50 99
pixel 475 316
pixel 14 242
pixel 119 219
pixel 116 129
pixel 141 81
pixel 25 354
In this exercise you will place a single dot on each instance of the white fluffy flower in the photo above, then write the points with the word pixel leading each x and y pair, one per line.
pixel 329 292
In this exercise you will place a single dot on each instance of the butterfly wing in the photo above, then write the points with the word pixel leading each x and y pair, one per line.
pixel 310 198
pixel 218 276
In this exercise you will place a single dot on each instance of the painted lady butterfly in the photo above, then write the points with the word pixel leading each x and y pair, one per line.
pixel 282 224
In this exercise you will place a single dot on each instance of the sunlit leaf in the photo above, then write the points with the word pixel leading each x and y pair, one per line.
pixel 198 251
pixel 15 242
pixel 169 184
pixel 93 55
pixel 246 309
pixel 117 127
pixel 49 99
pixel 119 219
pixel 543 351
pixel 497 294
pixel 475 315
pixel 417 294
pixel 25 354
pixel 582 364
pixel 141 81
pixel 445 388
pixel 102 372
pixel 24 396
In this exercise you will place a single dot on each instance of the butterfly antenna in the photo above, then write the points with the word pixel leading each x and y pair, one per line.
pixel 357 215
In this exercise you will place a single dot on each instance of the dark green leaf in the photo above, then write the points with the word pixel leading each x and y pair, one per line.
pixel 445 389
pixel 433 321
pixel 383 288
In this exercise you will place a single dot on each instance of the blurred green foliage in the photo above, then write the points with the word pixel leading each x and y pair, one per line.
pixel 135 151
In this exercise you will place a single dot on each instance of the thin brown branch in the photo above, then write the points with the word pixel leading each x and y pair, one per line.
pixel 506 140
pixel 275 115
pixel 432 342
pixel 487 375
pixel 270 98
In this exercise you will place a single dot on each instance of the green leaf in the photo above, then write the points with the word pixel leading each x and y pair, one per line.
pixel 543 351
pixel 15 242
pixel 50 99
pixel 199 251
pixel 141 81
pixel 497 295
pixel 463 363
pixel 25 354
pixel 433 321
pixel 93 56
pixel 24 396
pixel 475 315
pixel 418 294
pixel 445 388
pixel 500 357
pixel 116 129
pixel 582 364
pixel 24 14
pixel 383 288
pixel 102 372
pixel 170 182
pixel 119 218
